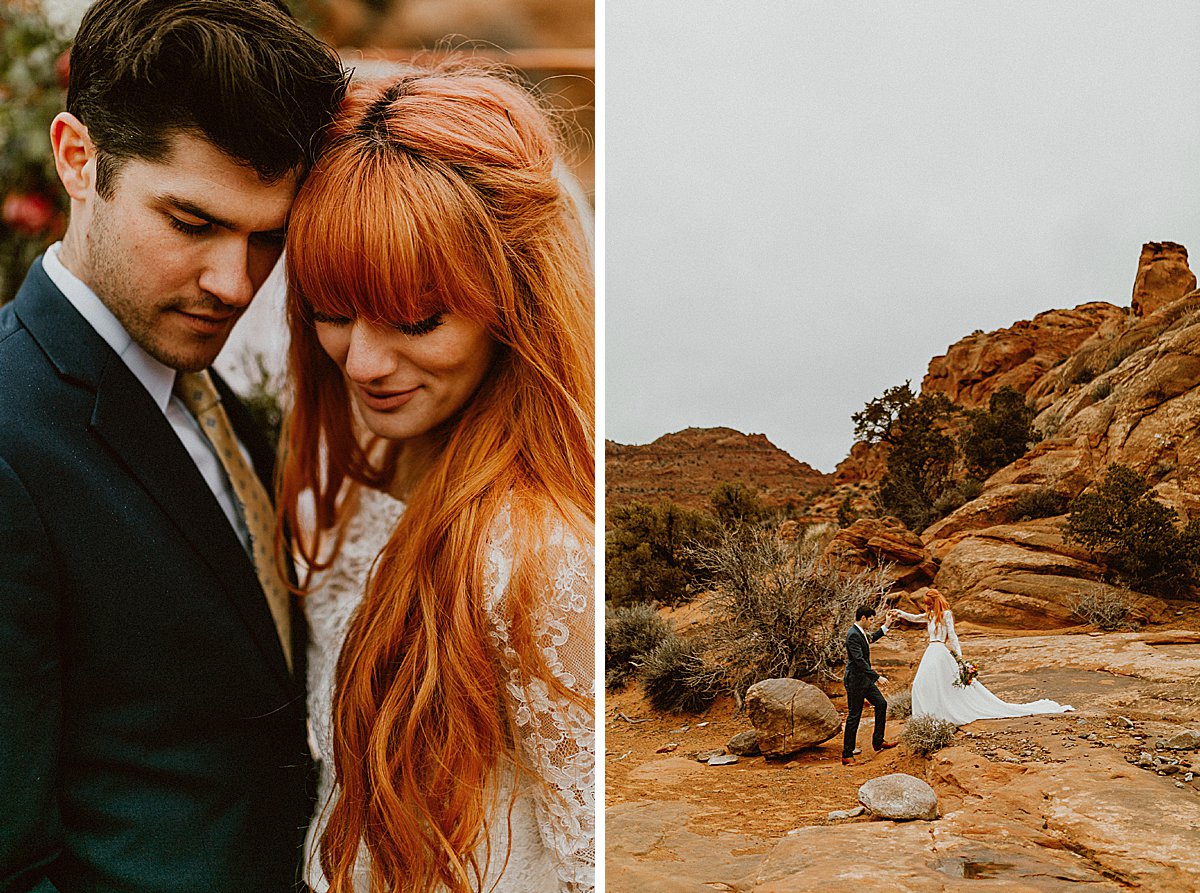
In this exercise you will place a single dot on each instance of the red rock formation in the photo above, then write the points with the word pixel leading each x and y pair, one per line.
pixel 1163 277
pixel 686 466
pixel 980 364
pixel 872 542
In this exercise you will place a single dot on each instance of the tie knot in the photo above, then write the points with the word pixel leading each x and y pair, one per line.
pixel 197 391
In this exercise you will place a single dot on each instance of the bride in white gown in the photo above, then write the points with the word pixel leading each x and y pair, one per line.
pixel 439 485
pixel 934 691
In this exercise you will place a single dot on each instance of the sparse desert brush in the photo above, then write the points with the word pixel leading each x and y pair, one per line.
pixel 1044 502
pixel 927 734
pixel 1106 608
pixel 899 705
pixel 778 611
pixel 630 633
pixel 676 678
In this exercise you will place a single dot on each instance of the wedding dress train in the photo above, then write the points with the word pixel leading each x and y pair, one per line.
pixel 935 694
pixel 548 840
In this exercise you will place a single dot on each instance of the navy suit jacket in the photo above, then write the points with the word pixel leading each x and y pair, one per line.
pixel 151 736
pixel 859 672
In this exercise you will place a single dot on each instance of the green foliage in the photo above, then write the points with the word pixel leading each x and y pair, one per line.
pixel 921 454
pixel 1044 502
pixel 262 402
pixel 630 633
pixel 999 435
pixel 957 494
pixel 846 513
pixel 735 503
pixel 777 610
pixel 32 91
pixel 927 734
pixel 676 678
pixel 1134 534
pixel 648 553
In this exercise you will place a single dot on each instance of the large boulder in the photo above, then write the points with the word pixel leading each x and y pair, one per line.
pixel 871 542
pixel 900 797
pixel 789 715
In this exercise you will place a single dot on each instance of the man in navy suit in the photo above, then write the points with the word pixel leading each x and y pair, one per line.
pixel 860 680
pixel 152 732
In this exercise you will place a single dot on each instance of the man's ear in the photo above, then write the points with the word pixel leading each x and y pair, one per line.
pixel 74 155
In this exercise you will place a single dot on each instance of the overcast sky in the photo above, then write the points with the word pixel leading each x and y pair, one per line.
pixel 807 201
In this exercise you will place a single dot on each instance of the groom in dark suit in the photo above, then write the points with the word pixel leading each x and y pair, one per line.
pixel 152 718
pixel 860 680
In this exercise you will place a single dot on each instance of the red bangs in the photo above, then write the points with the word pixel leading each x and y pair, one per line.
pixel 389 239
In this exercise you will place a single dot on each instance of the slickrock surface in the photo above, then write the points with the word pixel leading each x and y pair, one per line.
pixel 1044 803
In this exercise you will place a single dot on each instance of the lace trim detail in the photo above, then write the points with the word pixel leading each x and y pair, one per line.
pixel 558 736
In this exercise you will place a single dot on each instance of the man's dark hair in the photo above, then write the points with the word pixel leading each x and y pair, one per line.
pixel 243 74
pixel 864 611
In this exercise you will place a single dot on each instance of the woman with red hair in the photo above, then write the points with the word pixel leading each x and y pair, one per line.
pixel 939 688
pixel 438 487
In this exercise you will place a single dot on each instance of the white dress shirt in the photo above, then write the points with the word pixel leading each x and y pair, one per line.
pixel 158 380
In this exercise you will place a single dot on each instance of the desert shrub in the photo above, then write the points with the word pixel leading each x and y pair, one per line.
pixel 818 536
pixel 900 705
pixel 921 454
pixel 927 734
pixel 648 553
pixel 777 610
pixel 735 503
pixel 1102 389
pixel 630 633
pixel 1134 534
pixel 998 435
pixel 1044 502
pixel 1082 375
pixel 846 513
pixel 1105 608
pixel 676 678
pixel 957 495
pixel 1121 353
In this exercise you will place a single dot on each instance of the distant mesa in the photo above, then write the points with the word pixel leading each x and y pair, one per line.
pixel 686 466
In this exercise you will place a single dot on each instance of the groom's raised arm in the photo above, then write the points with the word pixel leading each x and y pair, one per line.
pixel 30 693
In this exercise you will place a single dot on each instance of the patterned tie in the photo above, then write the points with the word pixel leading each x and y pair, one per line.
pixel 198 394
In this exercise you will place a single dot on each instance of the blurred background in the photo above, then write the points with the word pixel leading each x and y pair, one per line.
pixel 549 42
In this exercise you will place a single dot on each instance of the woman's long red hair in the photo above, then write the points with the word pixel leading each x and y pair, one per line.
pixel 936 607
pixel 435 191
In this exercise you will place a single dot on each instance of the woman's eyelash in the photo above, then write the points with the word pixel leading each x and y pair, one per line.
pixel 422 327
pixel 326 319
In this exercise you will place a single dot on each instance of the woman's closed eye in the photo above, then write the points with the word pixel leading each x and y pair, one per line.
pixel 421 327
pixel 326 319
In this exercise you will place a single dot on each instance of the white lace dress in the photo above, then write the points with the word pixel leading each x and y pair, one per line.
pixel 933 689
pixel 552 837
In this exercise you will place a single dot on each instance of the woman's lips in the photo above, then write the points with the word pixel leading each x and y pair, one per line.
pixel 385 401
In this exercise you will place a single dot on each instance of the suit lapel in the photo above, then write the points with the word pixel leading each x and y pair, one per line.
pixel 126 419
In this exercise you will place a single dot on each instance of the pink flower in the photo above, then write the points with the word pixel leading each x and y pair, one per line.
pixel 29 213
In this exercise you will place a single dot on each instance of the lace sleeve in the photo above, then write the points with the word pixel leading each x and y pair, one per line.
pixel 951 635
pixel 558 735
pixel 911 618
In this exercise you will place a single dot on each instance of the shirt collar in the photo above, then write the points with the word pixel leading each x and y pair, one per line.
pixel 158 379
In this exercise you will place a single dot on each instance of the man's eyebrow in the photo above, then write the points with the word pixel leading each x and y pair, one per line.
pixel 189 207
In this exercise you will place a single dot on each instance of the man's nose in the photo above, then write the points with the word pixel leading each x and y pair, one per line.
pixel 226 274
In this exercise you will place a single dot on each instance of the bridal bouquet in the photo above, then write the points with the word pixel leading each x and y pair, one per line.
pixel 967 672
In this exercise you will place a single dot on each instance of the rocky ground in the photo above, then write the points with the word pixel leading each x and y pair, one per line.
pixel 1079 801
